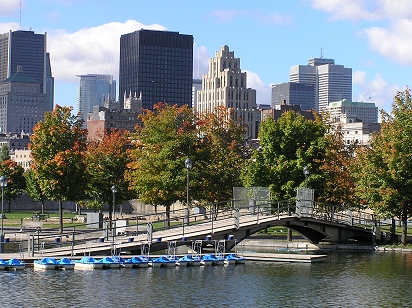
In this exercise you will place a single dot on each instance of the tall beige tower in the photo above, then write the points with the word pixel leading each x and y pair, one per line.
pixel 225 85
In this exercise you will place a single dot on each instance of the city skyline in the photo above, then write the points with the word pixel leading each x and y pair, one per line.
pixel 371 37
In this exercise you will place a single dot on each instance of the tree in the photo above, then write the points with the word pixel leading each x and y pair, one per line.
pixel 287 145
pixel 159 148
pixel 4 153
pixel 220 156
pixel 106 161
pixel 58 144
pixel 337 182
pixel 33 188
pixel 16 182
pixel 383 171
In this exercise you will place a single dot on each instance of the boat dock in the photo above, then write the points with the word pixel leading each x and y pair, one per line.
pixel 283 257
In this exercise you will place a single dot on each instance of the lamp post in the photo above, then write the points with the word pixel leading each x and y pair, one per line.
pixel 114 191
pixel 188 166
pixel 3 183
pixel 306 172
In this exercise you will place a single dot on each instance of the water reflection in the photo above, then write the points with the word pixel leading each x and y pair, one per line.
pixel 344 280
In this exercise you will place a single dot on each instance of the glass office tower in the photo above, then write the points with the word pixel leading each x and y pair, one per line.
pixel 158 65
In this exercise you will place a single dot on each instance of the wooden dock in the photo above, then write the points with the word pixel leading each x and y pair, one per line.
pixel 283 257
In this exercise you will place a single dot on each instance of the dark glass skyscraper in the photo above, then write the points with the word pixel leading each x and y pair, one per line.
pixel 28 50
pixel 158 64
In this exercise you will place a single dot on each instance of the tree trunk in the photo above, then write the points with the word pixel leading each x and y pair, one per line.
pixel 61 216
pixel 9 201
pixel 168 215
pixel 404 228
pixel 42 206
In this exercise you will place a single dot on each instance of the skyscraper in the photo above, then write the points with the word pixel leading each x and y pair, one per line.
pixel 331 82
pixel 93 90
pixel 293 93
pixel 22 103
pixel 157 64
pixel 28 50
pixel 226 85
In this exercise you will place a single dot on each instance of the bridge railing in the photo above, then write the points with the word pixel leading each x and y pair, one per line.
pixel 184 218
pixel 338 214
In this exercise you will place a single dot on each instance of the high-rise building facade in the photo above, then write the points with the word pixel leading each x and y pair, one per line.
pixel 28 50
pixel 22 103
pixel 225 85
pixel 157 64
pixel 345 109
pixel 293 93
pixel 94 90
pixel 331 82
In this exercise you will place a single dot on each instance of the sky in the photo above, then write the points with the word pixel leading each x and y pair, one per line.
pixel 373 37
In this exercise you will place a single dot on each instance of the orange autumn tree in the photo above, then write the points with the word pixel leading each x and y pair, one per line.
pixel 57 148
pixel 106 161
pixel 16 182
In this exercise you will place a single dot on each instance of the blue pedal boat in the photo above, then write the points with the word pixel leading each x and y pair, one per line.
pixel 65 264
pixel 140 261
pixel 15 264
pixel 163 261
pixel 109 262
pixel 234 259
pixel 123 261
pixel 45 264
pixel 3 264
pixel 208 260
pixel 88 263
pixel 188 260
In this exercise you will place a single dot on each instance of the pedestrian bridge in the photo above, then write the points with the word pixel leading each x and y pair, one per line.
pixel 232 221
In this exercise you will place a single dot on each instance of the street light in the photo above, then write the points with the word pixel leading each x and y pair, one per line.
pixel 3 183
pixel 306 172
pixel 114 191
pixel 188 166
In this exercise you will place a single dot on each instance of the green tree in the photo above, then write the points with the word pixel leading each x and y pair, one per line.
pixel 287 145
pixel 58 144
pixel 33 188
pixel 220 156
pixel 383 171
pixel 4 153
pixel 16 182
pixel 159 149
pixel 106 161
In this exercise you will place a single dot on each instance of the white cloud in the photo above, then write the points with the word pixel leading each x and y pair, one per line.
pixel 390 38
pixel 376 90
pixel 263 92
pixel 89 51
pixel 9 7
pixel 275 18
pixel 393 43
pixel 6 27
pixel 349 9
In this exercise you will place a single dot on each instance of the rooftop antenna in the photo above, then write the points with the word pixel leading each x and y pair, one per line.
pixel 20 15
pixel 321 54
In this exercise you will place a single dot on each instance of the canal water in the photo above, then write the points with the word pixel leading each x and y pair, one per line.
pixel 345 279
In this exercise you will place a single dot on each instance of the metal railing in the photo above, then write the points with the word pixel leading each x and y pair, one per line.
pixel 208 217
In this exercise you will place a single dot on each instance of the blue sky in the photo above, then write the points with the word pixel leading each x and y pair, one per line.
pixel 373 37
